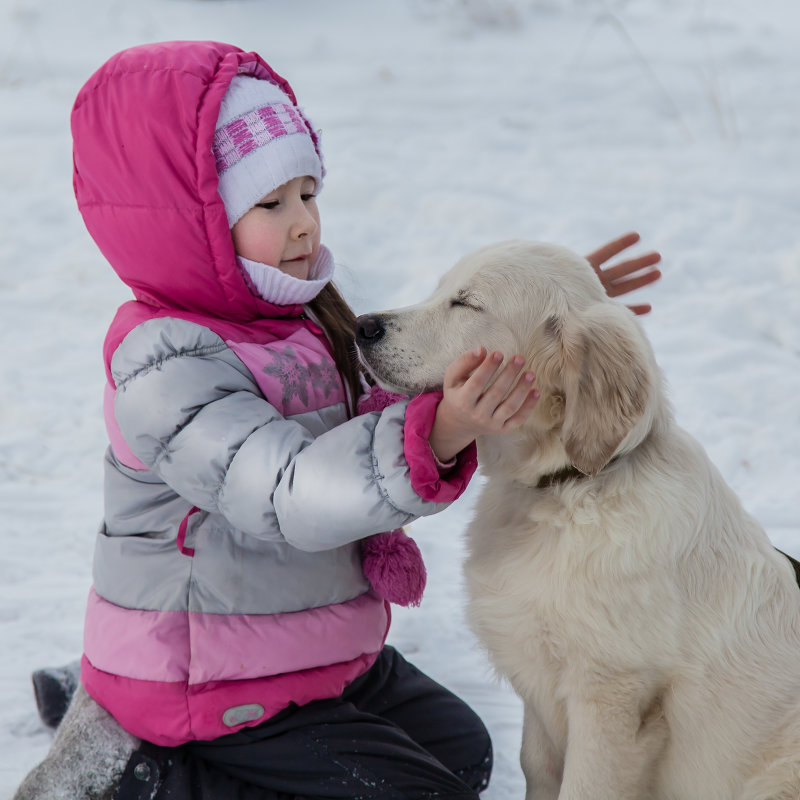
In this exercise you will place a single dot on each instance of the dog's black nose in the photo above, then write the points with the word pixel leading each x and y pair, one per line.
pixel 369 328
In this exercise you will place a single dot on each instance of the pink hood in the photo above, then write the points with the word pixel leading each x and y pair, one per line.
pixel 145 178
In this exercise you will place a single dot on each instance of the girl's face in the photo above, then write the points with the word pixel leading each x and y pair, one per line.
pixel 282 230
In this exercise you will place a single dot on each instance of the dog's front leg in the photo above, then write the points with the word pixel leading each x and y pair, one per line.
pixel 616 735
pixel 541 764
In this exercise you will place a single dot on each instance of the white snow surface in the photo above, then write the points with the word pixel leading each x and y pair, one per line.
pixel 446 125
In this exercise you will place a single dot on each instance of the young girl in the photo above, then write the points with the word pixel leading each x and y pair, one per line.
pixel 235 614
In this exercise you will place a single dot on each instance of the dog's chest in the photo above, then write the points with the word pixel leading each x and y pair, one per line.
pixel 540 596
pixel 517 574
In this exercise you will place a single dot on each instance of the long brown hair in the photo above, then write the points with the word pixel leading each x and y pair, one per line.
pixel 339 322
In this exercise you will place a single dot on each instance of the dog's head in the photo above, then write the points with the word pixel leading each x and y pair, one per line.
pixel 600 388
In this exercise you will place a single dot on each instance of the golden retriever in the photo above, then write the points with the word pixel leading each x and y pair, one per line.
pixel 650 628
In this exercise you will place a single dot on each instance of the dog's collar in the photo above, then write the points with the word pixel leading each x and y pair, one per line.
pixel 567 474
pixel 560 476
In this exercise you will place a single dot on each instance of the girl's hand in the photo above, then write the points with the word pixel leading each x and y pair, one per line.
pixel 627 275
pixel 473 405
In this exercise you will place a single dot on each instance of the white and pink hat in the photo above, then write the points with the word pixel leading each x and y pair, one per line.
pixel 262 140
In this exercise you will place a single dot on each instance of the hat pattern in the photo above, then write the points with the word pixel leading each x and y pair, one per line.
pixel 258 128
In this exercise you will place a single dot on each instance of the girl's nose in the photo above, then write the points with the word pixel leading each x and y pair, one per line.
pixel 305 224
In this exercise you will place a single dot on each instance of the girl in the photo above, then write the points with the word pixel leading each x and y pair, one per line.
pixel 234 614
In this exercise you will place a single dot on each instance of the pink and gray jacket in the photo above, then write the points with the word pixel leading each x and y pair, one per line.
pixel 227 576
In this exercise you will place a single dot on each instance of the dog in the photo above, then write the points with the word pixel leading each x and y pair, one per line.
pixel 642 616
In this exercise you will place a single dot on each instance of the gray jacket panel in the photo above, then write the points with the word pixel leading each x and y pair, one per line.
pixel 286 499
pixel 370 486
pixel 230 573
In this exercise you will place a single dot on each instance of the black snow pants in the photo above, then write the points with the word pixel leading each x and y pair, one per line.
pixel 394 734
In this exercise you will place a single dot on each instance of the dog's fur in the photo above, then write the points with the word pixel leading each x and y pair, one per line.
pixel 641 614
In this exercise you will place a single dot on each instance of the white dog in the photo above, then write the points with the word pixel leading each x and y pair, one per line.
pixel 643 617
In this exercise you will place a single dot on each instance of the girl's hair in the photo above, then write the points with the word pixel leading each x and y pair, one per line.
pixel 339 322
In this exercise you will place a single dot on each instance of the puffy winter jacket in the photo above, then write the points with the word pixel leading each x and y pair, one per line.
pixel 227 573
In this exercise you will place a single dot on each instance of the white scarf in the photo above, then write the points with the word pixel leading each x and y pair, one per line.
pixel 277 287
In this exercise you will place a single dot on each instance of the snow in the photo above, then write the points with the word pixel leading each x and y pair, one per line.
pixel 446 124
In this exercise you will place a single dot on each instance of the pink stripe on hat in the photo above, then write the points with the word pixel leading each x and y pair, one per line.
pixel 262 140
pixel 247 133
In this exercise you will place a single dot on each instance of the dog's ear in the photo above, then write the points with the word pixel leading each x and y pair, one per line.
pixel 606 384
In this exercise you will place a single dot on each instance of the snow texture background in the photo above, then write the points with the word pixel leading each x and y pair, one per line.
pixel 447 124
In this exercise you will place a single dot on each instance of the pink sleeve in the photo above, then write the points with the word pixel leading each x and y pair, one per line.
pixel 426 478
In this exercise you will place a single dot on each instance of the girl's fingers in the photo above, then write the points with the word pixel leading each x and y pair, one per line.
pixel 495 394
pixel 515 399
pixel 626 268
pixel 460 370
pixel 617 288
pixel 521 414
pixel 495 391
pixel 628 275
pixel 613 248
pixel 480 379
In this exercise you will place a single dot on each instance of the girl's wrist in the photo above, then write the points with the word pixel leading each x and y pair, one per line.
pixel 447 443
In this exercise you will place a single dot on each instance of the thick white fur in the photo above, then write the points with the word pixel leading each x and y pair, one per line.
pixel 641 614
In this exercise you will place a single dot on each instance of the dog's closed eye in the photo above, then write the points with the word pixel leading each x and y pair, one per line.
pixel 465 299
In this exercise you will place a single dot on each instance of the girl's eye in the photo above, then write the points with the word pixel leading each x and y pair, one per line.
pixel 272 204
pixel 306 197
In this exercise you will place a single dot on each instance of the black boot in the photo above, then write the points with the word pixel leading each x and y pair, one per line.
pixel 53 688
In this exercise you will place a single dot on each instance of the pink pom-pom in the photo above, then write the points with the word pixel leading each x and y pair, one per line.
pixel 391 561
pixel 393 565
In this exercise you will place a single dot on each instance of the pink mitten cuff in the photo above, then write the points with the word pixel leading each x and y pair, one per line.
pixel 426 478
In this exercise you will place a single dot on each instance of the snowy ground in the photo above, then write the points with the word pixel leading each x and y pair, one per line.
pixel 446 125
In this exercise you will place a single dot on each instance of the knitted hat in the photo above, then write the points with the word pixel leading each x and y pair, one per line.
pixel 262 140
